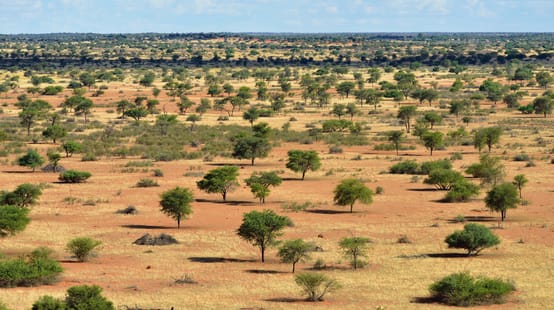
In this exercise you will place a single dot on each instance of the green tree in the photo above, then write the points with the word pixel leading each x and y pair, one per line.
pixel 355 248
pixel 82 247
pixel 184 104
pixel 374 75
pixel 443 179
pixel 543 105
pixel 31 111
pixel 87 79
pixel 251 148
pixel 432 118
pixel 315 285
pixel 458 107
pixel 24 195
pixel 501 198
pixel 474 238
pixel 302 161
pixel 406 113
pixel 147 79
pixel 519 181
pixel 176 203
pixel 489 169
pixel 136 113
pixel 228 89
pixel 395 137
pixel 13 220
pixel 339 110
pixel 54 132
pixel 83 297
pixel 344 88
pixel 351 190
pixel 251 115
pixel 432 140
pixel 488 136
pixel 294 251
pixel 54 159
pixel 543 78
pixel 262 229
pixel 461 191
pixel 204 106
pixel 259 183
pixel 164 122
pixel 71 147
pixel 220 180
pixel 352 110
pixel 48 303
pixel 32 160
pixel 193 118
pixel 214 90
pixel 84 107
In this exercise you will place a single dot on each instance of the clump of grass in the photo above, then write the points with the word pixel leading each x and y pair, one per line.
pixel 296 207
pixel 140 163
pixel 147 183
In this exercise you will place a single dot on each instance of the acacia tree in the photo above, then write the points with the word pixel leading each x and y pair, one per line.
pixel 176 203
pixel 351 190
pixel 543 105
pixel 501 198
pixel 395 137
pixel 220 180
pixel 262 229
pixel 302 161
pixel 519 181
pixel 32 160
pixel 24 195
pixel 13 220
pixel 474 238
pixel 432 140
pixel 294 251
pixel 354 248
pixel 406 113
pixel 259 183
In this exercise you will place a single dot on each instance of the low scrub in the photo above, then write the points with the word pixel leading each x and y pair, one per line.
pixel 82 247
pixel 147 183
pixel 461 191
pixel 461 289
pixel 74 176
pixel 35 269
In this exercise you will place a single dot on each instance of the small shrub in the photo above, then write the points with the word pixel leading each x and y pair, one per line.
pixel 144 163
pixel 461 191
pixel 456 156
pixel 49 303
pixel 461 289
pixel 379 190
pixel 405 167
pixel 521 157
pixel 296 207
pixel 319 264
pixel 459 219
pixel 147 183
pixel 89 157
pixel 157 173
pixel 132 210
pixel 335 149
pixel 74 176
pixel 87 297
pixel 185 279
pixel 414 179
pixel 222 118
pixel 82 247
pixel 530 163
pixel 315 285
pixel 404 239
pixel 428 166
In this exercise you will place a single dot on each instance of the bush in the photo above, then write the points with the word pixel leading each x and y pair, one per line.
pixel 456 156
pixel 35 269
pixel 474 238
pixel 82 247
pixel 335 149
pixel 461 191
pixel 461 289
pixel 428 166
pixel 87 297
pixel 74 176
pixel 89 157
pixel 147 183
pixel 157 173
pixel 49 303
pixel 405 167
pixel 521 157
pixel 379 190
pixel 315 285
pixel 443 179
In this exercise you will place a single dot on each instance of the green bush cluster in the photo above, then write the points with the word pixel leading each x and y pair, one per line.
pixel 37 268
pixel 461 289
pixel 74 176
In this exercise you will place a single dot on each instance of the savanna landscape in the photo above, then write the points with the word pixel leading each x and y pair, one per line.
pixel 276 171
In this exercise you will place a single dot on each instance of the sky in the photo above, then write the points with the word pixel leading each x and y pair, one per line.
pixel 135 16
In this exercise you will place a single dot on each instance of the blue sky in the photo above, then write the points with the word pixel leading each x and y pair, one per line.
pixel 131 16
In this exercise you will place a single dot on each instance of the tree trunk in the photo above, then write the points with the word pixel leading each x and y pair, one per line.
pixel 224 194
pixel 252 161
pixel 303 174
pixel 293 267
pixel 351 206
pixel 178 222
pixel 262 249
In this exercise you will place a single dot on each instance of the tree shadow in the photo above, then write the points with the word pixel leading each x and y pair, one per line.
pixel 228 202
pixel 20 171
pixel 292 179
pixel 138 226
pixel 425 190
pixel 264 271
pixel 227 164
pixel 476 219
pixel 447 255
pixel 424 300
pixel 215 259
pixel 285 299
pixel 326 211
